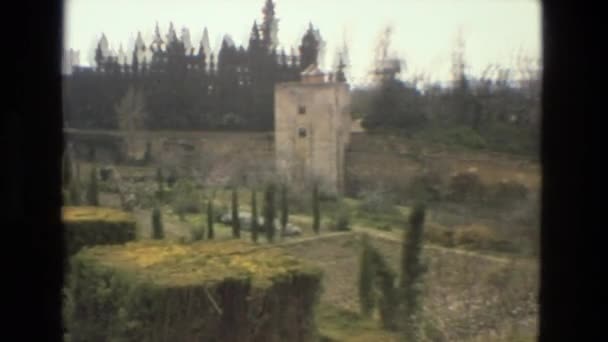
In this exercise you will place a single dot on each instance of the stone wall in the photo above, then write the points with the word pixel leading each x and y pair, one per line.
pixel 370 160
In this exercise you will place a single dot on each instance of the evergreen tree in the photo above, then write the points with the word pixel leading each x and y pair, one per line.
pixel 161 183
pixel 316 210
pixel 210 232
pixel 254 217
pixel 309 50
pixel 284 210
pixel 269 27
pixel 389 300
pixel 236 222
pixel 93 191
pixel 340 76
pixel 269 212
pixel 367 274
pixel 74 192
pixel 158 232
pixel 412 270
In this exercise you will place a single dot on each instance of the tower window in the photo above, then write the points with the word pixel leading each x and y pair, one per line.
pixel 302 110
pixel 302 132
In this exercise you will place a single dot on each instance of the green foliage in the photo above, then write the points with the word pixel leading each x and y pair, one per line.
pixel 121 294
pixel 161 184
pixel 412 270
pixel 254 216
pixel 269 212
pixel 425 187
pixel 388 303
pixel 185 198
pixel 67 168
pixel 395 105
pixel 341 217
pixel 284 209
pixel 157 224
pixel 316 209
pixel 89 226
pixel 197 233
pixel 92 190
pixel 236 222
pixel 377 286
pixel 377 202
pixel 210 220
pixel 367 273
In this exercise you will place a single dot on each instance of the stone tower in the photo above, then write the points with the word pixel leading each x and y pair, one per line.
pixel 312 129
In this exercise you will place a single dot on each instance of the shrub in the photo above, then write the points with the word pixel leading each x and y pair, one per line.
pixel 185 199
pixel 477 236
pixel 509 192
pixel 377 202
pixel 440 235
pixel 213 291
pixel 466 187
pixel 197 233
pixel 340 220
pixel 425 187
pixel 89 226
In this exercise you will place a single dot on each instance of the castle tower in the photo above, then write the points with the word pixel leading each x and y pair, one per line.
pixel 312 129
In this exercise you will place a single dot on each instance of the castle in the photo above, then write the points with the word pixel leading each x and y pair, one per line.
pixel 312 129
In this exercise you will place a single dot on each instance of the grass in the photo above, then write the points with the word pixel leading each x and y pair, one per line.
pixel 336 324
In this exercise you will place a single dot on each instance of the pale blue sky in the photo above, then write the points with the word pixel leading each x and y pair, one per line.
pixel 424 31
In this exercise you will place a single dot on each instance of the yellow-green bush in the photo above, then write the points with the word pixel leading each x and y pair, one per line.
pixel 89 226
pixel 205 291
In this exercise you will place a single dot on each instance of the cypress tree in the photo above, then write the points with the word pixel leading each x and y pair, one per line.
pixel 389 300
pixel 284 210
pixel 236 222
pixel 74 192
pixel 210 233
pixel 412 270
pixel 316 211
pixel 67 169
pixel 158 232
pixel 254 217
pixel 269 212
pixel 366 279
pixel 161 183
pixel 93 191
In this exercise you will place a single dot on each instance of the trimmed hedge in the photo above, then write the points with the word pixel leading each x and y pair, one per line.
pixel 205 291
pixel 89 226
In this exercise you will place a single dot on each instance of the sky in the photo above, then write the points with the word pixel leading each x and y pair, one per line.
pixel 424 32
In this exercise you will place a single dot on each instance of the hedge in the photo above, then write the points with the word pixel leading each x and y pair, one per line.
pixel 204 291
pixel 89 226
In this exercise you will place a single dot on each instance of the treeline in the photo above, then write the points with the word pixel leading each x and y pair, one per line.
pixel 492 111
pixel 187 89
